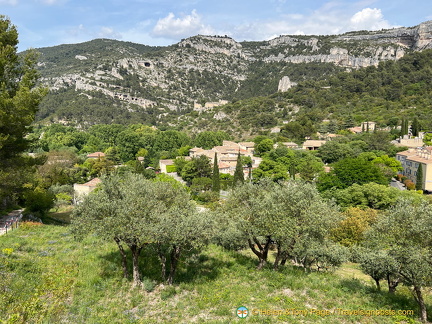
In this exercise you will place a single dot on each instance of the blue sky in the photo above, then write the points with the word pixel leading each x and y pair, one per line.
pixel 43 23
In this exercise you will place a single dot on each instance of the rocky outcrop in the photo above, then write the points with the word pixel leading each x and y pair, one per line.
pixel 415 38
pixel 175 77
pixel 423 38
pixel 213 44
pixel 285 84
pixel 340 56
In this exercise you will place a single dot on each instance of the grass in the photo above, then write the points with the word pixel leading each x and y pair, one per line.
pixel 59 216
pixel 49 277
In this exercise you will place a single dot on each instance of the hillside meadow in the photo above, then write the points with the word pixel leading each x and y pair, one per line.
pixel 49 277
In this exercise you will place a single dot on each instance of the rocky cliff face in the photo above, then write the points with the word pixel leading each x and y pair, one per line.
pixel 415 38
pixel 212 68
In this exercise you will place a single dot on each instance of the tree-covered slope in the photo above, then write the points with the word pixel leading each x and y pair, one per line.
pixel 204 69
pixel 385 94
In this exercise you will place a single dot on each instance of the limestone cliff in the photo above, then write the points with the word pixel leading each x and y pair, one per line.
pixel 213 68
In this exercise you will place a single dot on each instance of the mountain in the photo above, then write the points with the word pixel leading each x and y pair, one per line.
pixel 105 81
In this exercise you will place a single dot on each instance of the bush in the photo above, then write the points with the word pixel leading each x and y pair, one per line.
pixel 39 200
pixel 62 189
pixel 29 225
pixel 63 198
pixel 148 284
pixel 207 196
pixel 171 168
pixel 409 184
pixel 168 292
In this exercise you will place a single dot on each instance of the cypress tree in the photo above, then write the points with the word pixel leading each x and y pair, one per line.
pixel 419 177
pixel 404 127
pixel 238 173
pixel 216 177
pixel 415 127
pixel 292 171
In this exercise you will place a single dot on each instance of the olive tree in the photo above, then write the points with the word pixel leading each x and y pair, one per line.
pixel 404 233
pixel 136 212
pixel 291 215
pixel 379 265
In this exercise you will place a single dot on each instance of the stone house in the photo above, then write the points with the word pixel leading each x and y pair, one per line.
pixel 411 159
pixel 313 145
pixel 290 145
pixel 227 155
pixel 82 190
pixel 163 165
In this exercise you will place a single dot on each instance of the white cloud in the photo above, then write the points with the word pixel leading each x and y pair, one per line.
pixel 9 2
pixel 52 2
pixel 370 19
pixel 108 32
pixel 332 18
pixel 188 25
pixel 81 33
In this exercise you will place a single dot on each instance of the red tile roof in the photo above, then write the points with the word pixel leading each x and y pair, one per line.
pixel 96 155
pixel 93 182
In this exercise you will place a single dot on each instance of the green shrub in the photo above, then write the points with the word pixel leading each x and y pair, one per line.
pixel 148 284
pixel 39 200
pixel 171 168
pixel 168 292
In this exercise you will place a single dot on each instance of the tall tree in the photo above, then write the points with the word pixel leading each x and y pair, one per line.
pixel 415 127
pixel 238 173
pixel 197 167
pixel 404 234
pixel 135 213
pixel 404 127
pixel 419 177
pixel 216 177
pixel 19 100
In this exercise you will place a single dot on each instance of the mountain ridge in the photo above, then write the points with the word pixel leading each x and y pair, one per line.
pixel 162 81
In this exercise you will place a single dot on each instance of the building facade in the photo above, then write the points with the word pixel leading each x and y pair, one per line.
pixel 412 159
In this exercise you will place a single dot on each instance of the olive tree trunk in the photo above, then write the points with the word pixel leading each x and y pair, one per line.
pixel 419 298
pixel 123 257
pixel 261 251
pixel 175 256
pixel 136 250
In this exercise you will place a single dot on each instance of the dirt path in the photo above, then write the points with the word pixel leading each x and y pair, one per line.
pixel 9 220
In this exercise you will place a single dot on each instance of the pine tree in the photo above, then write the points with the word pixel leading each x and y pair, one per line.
pixel 19 100
pixel 216 177
pixel 238 173
pixel 419 178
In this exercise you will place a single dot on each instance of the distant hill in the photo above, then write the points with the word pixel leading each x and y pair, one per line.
pixel 104 81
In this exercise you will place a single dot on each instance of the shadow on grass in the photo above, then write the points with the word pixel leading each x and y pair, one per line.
pixel 382 299
pixel 247 261
pixel 193 266
pixel 57 218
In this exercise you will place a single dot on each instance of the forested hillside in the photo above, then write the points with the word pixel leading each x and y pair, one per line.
pixel 392 91
pixel 385 94
pixel 105 81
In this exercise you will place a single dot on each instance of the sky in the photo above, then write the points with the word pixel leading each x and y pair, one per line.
pixel 43 23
